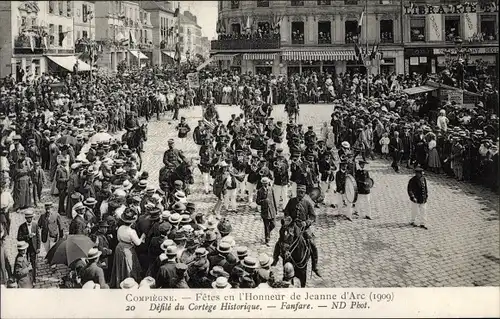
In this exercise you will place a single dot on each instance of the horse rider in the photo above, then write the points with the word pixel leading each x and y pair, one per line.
pixel 301 210
pixel 173 156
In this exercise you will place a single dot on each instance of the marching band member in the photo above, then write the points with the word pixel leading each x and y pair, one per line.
pixel 364 199
pixel 207 154
pixel 340 179
pixel 253 177
pixel 231 188
pixel 281 178
pixel 327 170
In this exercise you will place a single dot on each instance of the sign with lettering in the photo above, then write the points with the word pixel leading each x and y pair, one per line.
pixel 456 96
pixel 469 7
pixel 484 50
pixel 193 79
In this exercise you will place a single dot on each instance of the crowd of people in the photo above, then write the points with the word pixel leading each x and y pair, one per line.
pixel 153 236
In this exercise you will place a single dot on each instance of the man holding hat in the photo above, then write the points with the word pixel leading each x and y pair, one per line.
pixel 50 225
pixel 267 201
pixel 418 193
pixel 28 232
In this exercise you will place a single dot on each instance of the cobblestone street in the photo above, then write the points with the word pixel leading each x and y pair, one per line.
pixel 460 248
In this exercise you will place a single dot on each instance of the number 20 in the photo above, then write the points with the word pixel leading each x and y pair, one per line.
pixel 129 308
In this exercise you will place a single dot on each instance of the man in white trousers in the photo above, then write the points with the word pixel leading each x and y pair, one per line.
pixel 344 205
pixel 418 193
pixel 363 182
pixel 281 177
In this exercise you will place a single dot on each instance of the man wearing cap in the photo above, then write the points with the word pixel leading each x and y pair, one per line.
pixel 418 193
pixel 182 128
pixel 23 269
pixel 167 272
pixel 51 228
pixel 173 157
pixel 62 177
pixel 102 239
pixel 78 225
pixel 207 154
pixel 267 201
pixel 301 210
pixel 28 232
pixel 363 183
pixel 92 272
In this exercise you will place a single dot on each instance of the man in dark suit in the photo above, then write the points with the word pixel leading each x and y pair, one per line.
pixel 30 233
pixel 78 226
pixel 267 202
pixel 51 227
pixel 418 193
pixel 92 272
pixel 167 274
pixel 396 147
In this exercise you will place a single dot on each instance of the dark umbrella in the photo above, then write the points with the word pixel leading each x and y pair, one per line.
pixel 66 251
pixel 67 139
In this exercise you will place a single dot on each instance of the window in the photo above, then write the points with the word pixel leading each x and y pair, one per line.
pixel 84 34
pixel 84 12
pixel 61 35
pixel 23 21
pixel 68 8
pixel 51 6
pixel 298 32
pixel 263 3
pixel 78 35
pixel 33 22
pixel 351 31
pixel 60 6
pixel 297 3
pixel 36 66
pixel 235 4
pixel 324 32
pixel 384 1
pixel 236 29
pixel 51 34
pixel 351 2
pixel 386 31
pixel 417 30
pixel 324 2
pixel 489 31
pixel 451 28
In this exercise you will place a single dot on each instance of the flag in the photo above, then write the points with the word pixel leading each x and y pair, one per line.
pixel 217 28
pixel 358 52
pixel 374 51
pixel 360 22
pixel 32 42
pixel 176 13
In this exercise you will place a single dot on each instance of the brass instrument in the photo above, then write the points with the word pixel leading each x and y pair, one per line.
pixel 254 165
pixel 296 162
pixel 279 165
pixel 264 171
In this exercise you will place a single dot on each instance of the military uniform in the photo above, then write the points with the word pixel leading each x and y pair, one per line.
pixel 174 157
pixel 340 179
pixel 417 191
pixel 207 153
pixel 363 203
pixel 281 177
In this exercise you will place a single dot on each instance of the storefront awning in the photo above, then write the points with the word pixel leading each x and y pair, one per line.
pixel 68 62
pixel 327 55
pixel 419 89
pixel 172 55
pixel 138 54
pixel 224 57
pixel 204 64
pixel 259 56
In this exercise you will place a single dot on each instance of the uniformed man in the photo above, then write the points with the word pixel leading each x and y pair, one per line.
pixel 310 136
pixel 277 134
pixel 340 179
pixel 207 155
pixel 363 203
pixel 417 191
pixel 301 210
pixel 281 176
pixel 173 155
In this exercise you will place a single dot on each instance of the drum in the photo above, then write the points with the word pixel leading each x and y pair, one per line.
pixel 351 188
pixel 370 182
pixel 316 195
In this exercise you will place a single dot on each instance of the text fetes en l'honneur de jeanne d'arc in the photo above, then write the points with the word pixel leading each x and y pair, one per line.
pixel 238 301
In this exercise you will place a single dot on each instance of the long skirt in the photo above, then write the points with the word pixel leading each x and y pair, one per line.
pixel 433 160
pixel 125 264
pixel 23 197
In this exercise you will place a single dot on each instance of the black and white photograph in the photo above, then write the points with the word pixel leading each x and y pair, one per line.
pixel 249 145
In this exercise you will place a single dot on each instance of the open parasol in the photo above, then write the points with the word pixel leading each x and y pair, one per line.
pixel 67 139
pixel 67 250
pixel 101 137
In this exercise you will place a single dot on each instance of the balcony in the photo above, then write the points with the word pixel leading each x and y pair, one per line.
pixel 22 45
pixel 246 44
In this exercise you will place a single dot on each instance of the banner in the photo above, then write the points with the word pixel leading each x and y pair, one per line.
pixel 470 28
pixel 435 25
pixel 193 79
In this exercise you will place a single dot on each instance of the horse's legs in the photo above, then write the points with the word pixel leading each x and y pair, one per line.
pixel 301 274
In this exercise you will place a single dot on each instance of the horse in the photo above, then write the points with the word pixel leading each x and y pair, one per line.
pixel 135 138
pixel 294 248
pixel 182 172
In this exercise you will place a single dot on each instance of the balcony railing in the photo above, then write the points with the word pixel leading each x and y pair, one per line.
pixel 244 44
pixel 22 45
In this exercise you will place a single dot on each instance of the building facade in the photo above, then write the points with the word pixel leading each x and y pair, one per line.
pixel 189 35
pixel 296 36
pixel 205 47
pixel 431 28
pixel 83 20
pixel 36 37
pixel 162 35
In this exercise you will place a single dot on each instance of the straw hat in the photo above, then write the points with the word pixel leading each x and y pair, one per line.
pixel 221 283
pixel 129 283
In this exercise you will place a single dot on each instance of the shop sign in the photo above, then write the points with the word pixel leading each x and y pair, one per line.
pixel 193 80
pixel 418 52
pixel 483 50
pixel 456 96
pixel 469 7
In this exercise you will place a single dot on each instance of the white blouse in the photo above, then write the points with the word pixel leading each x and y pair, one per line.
pixel 128 235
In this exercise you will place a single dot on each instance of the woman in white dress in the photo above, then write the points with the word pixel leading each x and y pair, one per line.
pixel 126 263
